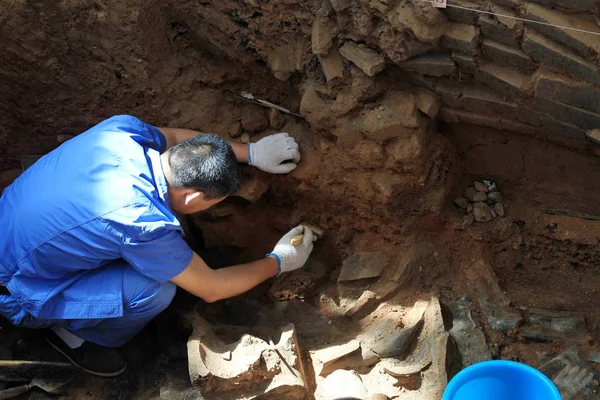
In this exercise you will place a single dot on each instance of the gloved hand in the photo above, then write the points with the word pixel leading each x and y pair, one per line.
pixel 269 153
pixel 292 257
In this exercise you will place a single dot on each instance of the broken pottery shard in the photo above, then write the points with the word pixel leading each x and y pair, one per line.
pixel 341 384
pixel 368 60
pixel 309 322
pixel 574 381
pixel 469 338
pixel 247 368
pixel 542 335
pixel 324 359
pixel 399 343
pixel 362 266
pixel 557 321
pixel 365 300
pixel 413 364
pixel 482 212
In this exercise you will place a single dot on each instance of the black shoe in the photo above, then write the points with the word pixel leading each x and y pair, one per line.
pixel 92 358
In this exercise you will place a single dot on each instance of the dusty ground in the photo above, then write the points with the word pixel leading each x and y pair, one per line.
pixel 57 77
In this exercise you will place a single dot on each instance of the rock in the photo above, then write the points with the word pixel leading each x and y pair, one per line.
pixel 467 221
pixel 324 358
pixel 552 54
pixel 496 197
pixel 469 339
pixel 470 192
pixel 499 210
pixel 399 343
pixel 433 64
pixel 235 130
pixel 594 357
pixel 252 189
pixel 461 37
pixel 479 196
pixel 470 208
pixel 584 44
pixel 508 56
pixel 245 138
pixel 461 203
pixel 254 118
pixel 276 119
pixel 594 135
pixel 480 187
pixel 323 32
pixel 365 301
pixel 362 266
pixel 574 92
pixel 280 371
pixel 341 384
pixel 482 212
pixel 567 113
pixel 493 214
pixel 332 65
pixel 428 102
pixel 368 60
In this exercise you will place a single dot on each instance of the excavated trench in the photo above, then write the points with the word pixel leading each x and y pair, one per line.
pixel 403 107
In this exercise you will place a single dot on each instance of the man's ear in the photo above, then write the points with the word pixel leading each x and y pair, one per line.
pixel 192 196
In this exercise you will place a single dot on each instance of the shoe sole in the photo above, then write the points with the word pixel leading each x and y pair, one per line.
pixel 102 374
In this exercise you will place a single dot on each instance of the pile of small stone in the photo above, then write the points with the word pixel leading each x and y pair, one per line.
pixel 482 202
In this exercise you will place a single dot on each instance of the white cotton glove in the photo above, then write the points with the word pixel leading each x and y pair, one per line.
pixel 269 153
pixel 292 257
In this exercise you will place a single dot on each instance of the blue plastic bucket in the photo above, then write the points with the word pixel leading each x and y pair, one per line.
pixel 500 380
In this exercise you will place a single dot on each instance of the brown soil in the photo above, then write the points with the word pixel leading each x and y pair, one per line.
pixel 67 65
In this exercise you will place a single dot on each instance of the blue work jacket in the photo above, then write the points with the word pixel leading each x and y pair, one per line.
pixel 99 197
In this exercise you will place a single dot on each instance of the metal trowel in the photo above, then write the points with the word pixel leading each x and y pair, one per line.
pixel 47 385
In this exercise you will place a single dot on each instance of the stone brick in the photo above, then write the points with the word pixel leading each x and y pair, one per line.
pixel 556 56
pixel 584 44
pixel 460 15
pixel 503 79
pixel 323 31
pixel 576 93
pixel 455 116
pixel 428 103
pixel 433 64
pixel 368 60
pixel 564 112
pixel 465 61
pixel 395 116
pixel 509 56
pixel 405 16
pixel 332 65
pixel 499 28
pixel 340 5
pixel 573 5
pixel 461 37
pixel 593 135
